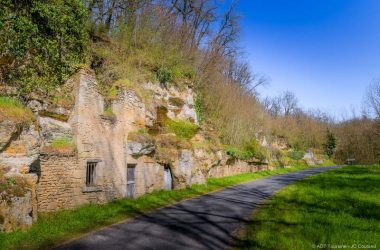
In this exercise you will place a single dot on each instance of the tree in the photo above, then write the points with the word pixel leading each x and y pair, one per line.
pixel 289 103
pixel 372 98
pixel 42 42
pixel 330 143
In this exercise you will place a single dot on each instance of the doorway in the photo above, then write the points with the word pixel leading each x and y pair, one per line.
pixel 168 181
pixel 131 180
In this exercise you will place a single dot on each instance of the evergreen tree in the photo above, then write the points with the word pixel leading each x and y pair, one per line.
pixel 330 143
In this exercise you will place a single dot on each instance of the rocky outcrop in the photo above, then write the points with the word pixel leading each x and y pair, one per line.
pixel 17 212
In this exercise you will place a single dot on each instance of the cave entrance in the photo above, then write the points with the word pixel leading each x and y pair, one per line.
pixel 168 180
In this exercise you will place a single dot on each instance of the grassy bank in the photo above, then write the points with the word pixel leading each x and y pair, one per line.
pixel 54 228
pixel 339 207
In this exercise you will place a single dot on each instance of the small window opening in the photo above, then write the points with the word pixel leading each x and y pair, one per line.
pixel 90 173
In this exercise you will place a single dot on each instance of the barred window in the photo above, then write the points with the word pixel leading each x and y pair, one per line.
pixel 90 173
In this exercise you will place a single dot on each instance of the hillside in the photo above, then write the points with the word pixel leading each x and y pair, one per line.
pixel 102 100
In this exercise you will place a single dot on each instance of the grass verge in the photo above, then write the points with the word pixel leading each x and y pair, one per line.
pixel 54 228
pixel 335 209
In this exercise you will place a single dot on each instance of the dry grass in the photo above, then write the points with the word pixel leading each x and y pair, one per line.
pixel 13 110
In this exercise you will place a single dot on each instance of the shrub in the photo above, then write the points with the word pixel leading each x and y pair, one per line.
pixel 13 110
pixel 164 74
pixel 182 129
pixel 248 150
pixel 296 155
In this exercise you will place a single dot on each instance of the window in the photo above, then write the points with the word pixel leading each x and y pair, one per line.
pixel 90 173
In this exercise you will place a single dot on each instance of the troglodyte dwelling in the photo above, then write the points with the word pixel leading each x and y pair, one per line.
pixel 125 153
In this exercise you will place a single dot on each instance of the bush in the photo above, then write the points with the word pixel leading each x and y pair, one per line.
pixel 164 74
pixel 248 150
pixel 182 129
pixel 296 155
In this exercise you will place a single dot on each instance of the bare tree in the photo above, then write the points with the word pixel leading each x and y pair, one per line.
pixel 372 98
pixel 288 102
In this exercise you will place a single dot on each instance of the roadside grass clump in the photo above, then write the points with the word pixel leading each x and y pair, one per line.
pixel 55 228
pixel 13 110
pixel 338 207
pixel 181 128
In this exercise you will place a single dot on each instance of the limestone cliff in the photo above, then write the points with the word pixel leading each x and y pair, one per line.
pixel 106 156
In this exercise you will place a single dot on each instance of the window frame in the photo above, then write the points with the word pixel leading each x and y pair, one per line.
pixel 91 173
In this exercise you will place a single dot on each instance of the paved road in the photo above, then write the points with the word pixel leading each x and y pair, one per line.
pixel 206 222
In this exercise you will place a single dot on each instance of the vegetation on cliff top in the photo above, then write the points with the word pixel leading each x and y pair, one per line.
pixel 174 43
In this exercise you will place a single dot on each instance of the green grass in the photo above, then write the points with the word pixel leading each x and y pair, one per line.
pixel 182 129
pixel 13 110
pixel 339 207
pixel 62 142
pixel 58 227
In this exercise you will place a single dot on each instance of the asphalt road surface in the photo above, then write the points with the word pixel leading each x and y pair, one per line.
pixel 205 222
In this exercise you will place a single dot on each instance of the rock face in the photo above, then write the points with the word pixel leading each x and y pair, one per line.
pixel 7 130
pixel 114 156
pixel 16 213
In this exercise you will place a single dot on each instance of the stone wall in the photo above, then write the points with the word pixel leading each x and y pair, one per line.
pixel 239 167
pixel 62 184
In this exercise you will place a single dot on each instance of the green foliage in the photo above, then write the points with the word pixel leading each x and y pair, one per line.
pixel 182 129
pixel 108 111
pixel 338 207
pixel 164 74
pixel 42 42
pixel 296 155
pixel 13 110
pixel 54 228
pixel 330 144
pixel 199 109
pixel 248 150
pixel 12 181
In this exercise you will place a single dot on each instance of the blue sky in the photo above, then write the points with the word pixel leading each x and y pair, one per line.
pixel 325 51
